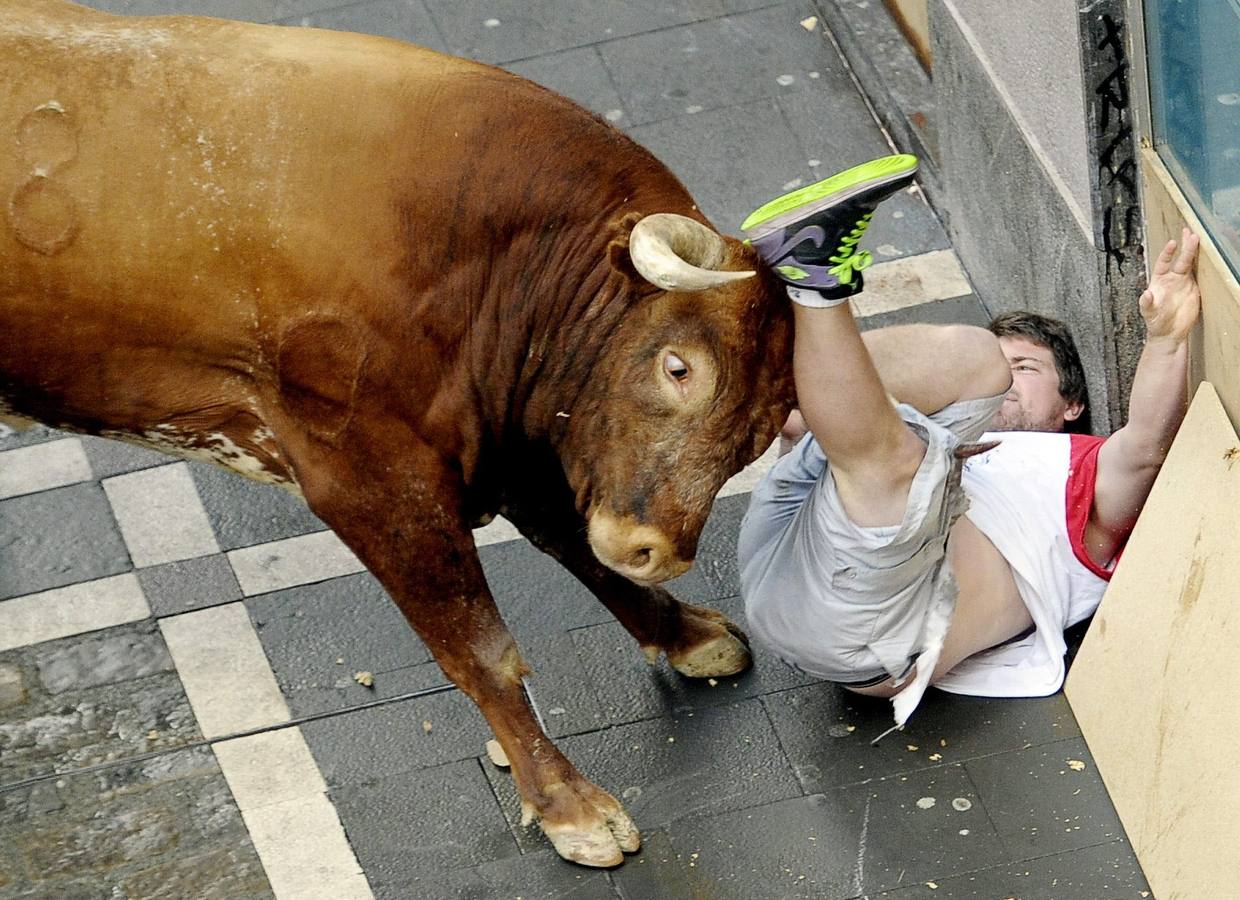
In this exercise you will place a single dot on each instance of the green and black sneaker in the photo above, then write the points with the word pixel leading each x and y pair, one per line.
pixel 810 236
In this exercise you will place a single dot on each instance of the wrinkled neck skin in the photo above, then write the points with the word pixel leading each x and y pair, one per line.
pixel 556 306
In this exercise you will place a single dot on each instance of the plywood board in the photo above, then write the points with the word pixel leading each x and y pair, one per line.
pixel 1156 684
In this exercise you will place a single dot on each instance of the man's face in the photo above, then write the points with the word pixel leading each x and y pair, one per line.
pixel 1034 402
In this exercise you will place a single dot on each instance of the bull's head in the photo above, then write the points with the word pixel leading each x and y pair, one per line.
pixel 695 383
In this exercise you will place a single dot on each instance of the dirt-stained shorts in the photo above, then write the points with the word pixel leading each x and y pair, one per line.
pixel 841 601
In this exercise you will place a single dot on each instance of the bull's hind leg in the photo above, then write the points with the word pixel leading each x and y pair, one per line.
pixel 699 642
pixel 405 528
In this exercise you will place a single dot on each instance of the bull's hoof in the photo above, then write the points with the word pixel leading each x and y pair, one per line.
pixel 598 833
pixel 718 657
pixel 722 649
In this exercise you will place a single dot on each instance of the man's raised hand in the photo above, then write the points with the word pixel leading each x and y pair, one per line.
pixel 1172 302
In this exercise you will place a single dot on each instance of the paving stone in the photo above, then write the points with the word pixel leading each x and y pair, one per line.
pixel 560 687
pixel 41 467
pixel 629 689
pixel 108 457
pixel 163 827
pixel 368 744
pixel 903 225
pixel 966 310
pixel 107 658
pixel 731 159
pixel 578 74
pixel 535 876
pixel 721 62
pixel 160 515
pixel 190 584
pixel 501 31
pixel 535 594
pixel 1040 805
pixel 304 630
pixel 108 704
pixel 12 687
pixel 405 20
pixel 244 512
pixel 840 844
pixel 58 537
pixel 813 722
pixel 833 125
pixel 83 890
pixel 1105 870
pixel 714 575
pixel 705 762
pixel 220 875
pixel 417 823
pixel 12 438
pixel 245 10
pixel 290 562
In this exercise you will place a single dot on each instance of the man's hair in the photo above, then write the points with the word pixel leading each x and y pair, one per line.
pixel 1054 335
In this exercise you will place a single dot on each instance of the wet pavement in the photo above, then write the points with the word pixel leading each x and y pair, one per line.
pixel 179 709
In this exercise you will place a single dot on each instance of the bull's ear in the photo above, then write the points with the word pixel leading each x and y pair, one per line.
pixel 618 248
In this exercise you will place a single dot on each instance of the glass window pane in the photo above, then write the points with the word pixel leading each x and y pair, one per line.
pixel 1194 66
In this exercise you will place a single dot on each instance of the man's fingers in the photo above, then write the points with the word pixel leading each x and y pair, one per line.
pixel 1146 301
pixel 1188 255
pixel 1163 264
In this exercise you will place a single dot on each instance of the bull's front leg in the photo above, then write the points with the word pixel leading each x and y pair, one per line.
pixel 409 535
pixel 699 642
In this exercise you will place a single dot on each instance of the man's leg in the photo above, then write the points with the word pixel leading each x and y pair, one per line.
pixel 809 237
pixel 873 454
pixel 929 367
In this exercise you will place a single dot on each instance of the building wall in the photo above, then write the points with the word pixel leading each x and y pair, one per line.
pixel 1014 212
pixel 1033 52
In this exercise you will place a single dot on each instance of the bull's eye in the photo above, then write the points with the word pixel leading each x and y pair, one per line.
pixel 676 368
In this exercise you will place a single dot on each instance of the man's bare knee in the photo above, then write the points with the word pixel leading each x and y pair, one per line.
pixel 978 353
pixel 794 429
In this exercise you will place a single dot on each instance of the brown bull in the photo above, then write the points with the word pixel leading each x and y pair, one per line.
pixel 417 291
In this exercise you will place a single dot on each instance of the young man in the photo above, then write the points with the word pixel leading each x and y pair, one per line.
pixel 859 562
pixel 1048 381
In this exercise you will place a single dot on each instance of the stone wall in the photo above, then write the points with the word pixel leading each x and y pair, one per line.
pixel 1033 159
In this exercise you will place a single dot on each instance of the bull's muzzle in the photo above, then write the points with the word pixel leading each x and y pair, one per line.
pixel 637 551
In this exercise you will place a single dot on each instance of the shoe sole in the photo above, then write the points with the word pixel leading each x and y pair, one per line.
pixel 818 196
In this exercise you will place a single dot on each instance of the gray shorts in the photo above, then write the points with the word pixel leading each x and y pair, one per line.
pixel 838 600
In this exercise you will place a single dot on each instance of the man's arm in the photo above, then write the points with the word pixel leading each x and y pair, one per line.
pixel 1130 459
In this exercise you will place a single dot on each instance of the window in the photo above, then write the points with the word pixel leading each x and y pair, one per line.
pixel 1194 71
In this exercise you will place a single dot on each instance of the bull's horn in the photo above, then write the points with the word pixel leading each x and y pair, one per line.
pixel 677 253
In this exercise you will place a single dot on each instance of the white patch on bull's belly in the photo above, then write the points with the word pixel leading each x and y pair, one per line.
pixel 219 450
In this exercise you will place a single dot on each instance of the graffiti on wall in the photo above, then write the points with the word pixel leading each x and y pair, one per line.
pixel 1117 166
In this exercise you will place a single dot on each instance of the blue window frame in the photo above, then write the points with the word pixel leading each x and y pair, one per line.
pixel 1194 71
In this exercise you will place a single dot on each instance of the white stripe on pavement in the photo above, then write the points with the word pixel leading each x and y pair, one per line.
pixel 66 611
pixel 225 672
pixel 294 827
pixel 161 515
pixel 286 563
pixel 496 532
pixel 41 467
pixel 304 850
pixel 911 281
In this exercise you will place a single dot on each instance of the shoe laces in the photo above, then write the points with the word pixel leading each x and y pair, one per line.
pixel 848 259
